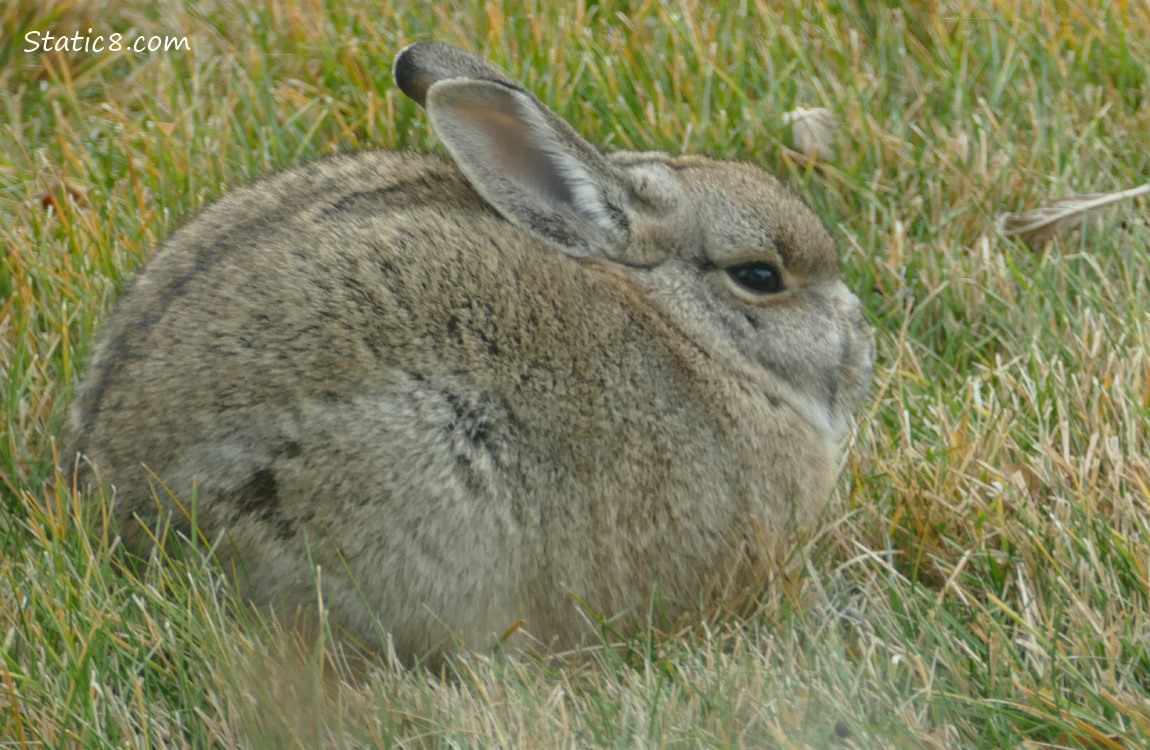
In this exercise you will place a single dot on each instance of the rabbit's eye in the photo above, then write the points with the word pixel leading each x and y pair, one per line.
pixel 760 278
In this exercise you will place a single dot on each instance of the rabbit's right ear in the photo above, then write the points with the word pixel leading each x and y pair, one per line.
pixel 522 158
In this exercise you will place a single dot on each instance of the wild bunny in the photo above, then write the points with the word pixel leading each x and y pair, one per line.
pixel 475 390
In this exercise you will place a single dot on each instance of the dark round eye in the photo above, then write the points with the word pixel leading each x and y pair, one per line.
pixel 760 278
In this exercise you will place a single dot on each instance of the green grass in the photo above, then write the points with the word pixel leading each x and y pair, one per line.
pixel 985 581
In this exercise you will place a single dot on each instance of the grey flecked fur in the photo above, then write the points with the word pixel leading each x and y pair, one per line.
pixel 469 389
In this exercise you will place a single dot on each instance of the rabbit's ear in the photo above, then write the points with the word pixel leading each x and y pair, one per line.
pixel 521 157
pixel 419 65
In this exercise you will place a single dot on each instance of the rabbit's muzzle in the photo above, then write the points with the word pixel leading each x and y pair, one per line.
pixel 856 360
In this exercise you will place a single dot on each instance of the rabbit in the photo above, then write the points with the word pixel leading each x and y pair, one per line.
pixel 483 400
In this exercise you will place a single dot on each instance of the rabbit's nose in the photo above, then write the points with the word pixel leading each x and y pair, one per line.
pixel 848 306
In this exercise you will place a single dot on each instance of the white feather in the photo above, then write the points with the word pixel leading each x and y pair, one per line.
pixel 1039 225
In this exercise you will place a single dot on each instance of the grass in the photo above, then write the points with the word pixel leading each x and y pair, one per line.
pixel 986 580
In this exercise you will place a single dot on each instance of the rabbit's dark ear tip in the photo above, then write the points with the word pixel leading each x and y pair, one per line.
pixel 412 79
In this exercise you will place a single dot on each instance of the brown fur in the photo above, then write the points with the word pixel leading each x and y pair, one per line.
pixel 469 389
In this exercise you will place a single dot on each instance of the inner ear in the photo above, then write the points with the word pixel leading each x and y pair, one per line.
pixel 516 154
pixel 529 165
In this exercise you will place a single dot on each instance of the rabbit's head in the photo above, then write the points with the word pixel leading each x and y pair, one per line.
pixel 733 256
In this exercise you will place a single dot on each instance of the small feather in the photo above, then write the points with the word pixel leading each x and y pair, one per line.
pixel 1061 215
pixel 813 130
